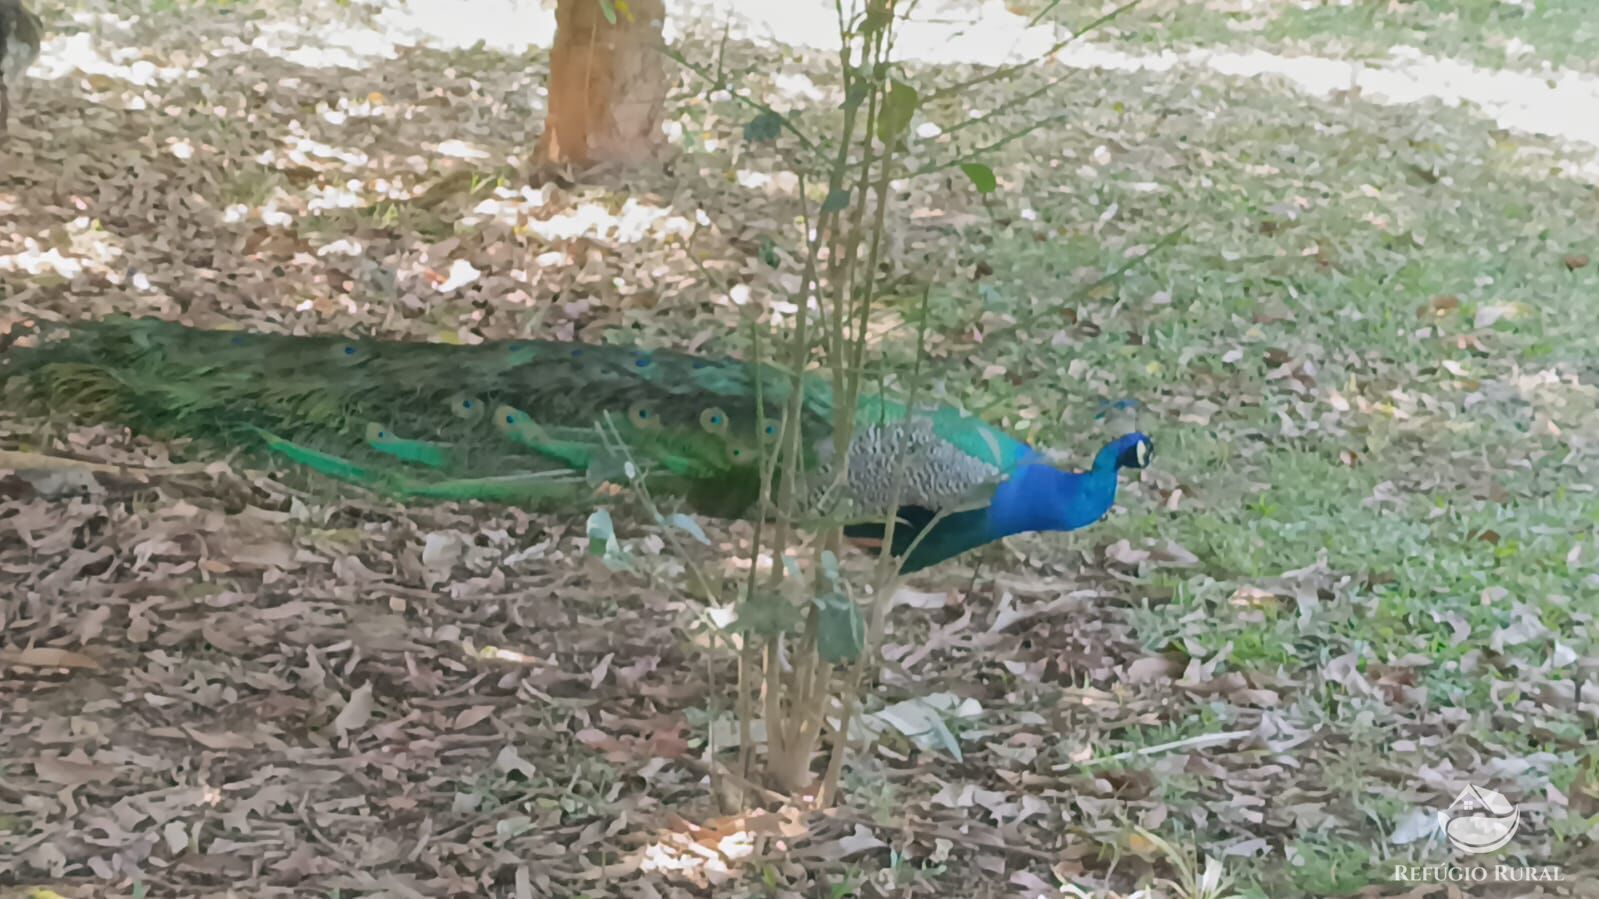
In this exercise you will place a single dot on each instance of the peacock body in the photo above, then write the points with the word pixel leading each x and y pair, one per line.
pixel 540 422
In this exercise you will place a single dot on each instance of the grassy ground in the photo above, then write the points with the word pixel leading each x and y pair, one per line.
pixel 1368 543
pixel 1493 33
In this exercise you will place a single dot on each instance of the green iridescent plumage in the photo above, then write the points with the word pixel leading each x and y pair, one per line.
pixel 543 423
pixel 505 420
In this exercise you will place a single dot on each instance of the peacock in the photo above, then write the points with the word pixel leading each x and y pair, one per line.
pixel 543 422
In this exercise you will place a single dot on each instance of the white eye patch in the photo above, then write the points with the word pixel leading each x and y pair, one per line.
pixel 1142 454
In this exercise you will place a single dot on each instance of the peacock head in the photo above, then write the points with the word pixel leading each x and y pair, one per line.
pixel 1133 450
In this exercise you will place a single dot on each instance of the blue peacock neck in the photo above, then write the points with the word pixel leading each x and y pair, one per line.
pixel 1041 497
pixel 1035 497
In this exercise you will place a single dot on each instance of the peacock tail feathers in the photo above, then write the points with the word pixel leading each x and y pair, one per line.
pixel 512 420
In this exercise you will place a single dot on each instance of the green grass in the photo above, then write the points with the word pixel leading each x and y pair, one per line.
pixel 1411 451
pixel 1491 33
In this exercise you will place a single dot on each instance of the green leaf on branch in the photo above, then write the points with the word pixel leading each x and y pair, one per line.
pixel 982 176
pixel 764 128
pixel 768 252
pixel 856 93
pixel 841 629
pixel 608 10
pixel 897 111
pixel 837 200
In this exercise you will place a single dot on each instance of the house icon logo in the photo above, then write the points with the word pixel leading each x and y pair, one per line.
pixel 1479 820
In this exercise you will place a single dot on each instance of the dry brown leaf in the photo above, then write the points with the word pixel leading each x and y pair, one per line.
pixel 72 773
pixel 469 717
pixel 356 712
pixel 46 657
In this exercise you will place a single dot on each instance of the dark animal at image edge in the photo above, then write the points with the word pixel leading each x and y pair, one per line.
pixel 20 36
pixel 538 423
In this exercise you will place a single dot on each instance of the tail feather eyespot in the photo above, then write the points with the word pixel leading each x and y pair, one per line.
pixel 643 417
pixel 466 407
pixel 518 425
pixel 714 420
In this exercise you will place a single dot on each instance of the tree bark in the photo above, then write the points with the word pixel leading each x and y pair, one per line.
pixel 607 84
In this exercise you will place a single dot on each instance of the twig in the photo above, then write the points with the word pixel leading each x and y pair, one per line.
pixel 1201 741
pixel 16 460
pixel 717 83
pixel 954 836
pixel 714 771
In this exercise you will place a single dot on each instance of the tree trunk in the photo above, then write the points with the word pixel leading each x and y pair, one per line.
pixel 607 84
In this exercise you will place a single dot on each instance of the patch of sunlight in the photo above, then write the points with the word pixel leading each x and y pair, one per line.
pixel 344 246
pixel 460 149
pixel 274 217
pixel 941 31
pixel 681 855
pixel 634 223
pixel 506 25
pixel 1557 103
pixel 368 107
pixel 508 655
pixel 324 45
pixel 321 199
pixel 772 182
pixel 798 87
pixel 82 54
pixel 938 31
pixel 87 249
pixel 300 152
pixel 35 261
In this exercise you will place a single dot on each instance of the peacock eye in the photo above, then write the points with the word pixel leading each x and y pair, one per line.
pixel 643 417
pixel 510 419
pixel 349 351
pixel 713 420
